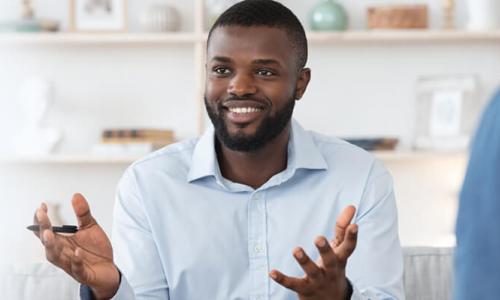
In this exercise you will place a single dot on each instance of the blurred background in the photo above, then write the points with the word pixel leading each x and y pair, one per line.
pixel 89 86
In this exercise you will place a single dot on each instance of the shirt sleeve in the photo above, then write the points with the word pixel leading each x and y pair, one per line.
pixel 378 252
pixel 124 291
pixel 135 251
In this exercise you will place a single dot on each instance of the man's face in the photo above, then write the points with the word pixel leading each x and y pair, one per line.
pixel 251 85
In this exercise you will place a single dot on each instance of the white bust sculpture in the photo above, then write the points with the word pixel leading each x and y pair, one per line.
pixel 35 137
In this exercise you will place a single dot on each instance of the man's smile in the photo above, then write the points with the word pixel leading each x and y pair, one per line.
pixel 243 111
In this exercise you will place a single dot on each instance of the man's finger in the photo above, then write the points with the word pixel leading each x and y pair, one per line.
pixel 346 248
pixel 326 252
pixel 43 206
pixel 297 285
pixel 343 220
pixel 51 250
pixel 42 219
pixel 310 268
pixel 82 211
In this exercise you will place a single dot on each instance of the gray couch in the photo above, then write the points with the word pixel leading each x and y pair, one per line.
pixel 428 273
pixel 427 276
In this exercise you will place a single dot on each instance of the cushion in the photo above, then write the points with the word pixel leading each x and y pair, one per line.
pixel 37 281
pixel 428 273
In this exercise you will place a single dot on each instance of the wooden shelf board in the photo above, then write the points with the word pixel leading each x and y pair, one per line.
pixel 390 156
pixel 409 155
pixel 99 38
pixel 358 36
pixel 69 159
pixel 419 36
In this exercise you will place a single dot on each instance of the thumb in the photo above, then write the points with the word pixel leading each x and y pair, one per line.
pixel 348 245
pixel 82 211
pixel 343 221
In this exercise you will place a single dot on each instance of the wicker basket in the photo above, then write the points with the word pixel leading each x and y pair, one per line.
pixel 398 17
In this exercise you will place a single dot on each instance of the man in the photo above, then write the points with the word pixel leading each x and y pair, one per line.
pixel 217 217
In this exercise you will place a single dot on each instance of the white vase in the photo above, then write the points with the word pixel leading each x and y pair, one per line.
pixel 160 18
pixel 483 14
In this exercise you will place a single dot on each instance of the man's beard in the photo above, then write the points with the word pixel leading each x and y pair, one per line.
pixel 268 130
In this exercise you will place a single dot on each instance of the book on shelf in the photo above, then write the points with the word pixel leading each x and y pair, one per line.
pixel 374 144
pixel 135 136
pixel 132 133
pixel 156 141
pixel 132 141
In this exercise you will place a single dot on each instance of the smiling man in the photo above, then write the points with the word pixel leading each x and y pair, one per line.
pixel 257 208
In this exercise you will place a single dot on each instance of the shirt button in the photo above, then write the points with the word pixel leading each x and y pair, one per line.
pixel 256 197
pixel 257 248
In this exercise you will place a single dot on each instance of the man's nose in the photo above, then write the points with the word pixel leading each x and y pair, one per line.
pixel 242 85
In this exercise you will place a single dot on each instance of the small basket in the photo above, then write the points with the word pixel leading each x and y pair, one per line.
pixel 398 17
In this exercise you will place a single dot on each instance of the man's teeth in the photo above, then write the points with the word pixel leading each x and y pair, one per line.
pixel 243 110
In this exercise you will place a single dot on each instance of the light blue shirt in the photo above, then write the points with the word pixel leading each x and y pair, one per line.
pixel 182 231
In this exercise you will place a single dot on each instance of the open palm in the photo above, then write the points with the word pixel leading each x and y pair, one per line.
pixel 86 255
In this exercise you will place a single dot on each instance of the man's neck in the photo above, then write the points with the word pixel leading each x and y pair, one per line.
pixel 256 167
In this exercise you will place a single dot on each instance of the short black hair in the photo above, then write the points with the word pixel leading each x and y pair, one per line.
pixel 268 13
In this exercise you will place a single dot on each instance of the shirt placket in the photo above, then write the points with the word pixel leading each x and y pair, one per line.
pixel 257 247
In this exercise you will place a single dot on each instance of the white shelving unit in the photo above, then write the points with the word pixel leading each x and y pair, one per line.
pixel 197 40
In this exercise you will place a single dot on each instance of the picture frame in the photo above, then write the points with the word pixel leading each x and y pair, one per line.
pixel 446 110
pixel 98 15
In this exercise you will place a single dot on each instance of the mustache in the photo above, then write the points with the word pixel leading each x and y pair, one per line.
pixel 264 101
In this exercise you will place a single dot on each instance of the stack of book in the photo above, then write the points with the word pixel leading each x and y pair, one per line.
pixel 132 141
pixel 374 144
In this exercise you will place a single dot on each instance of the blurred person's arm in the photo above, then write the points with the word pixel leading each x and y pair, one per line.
pixel 477 256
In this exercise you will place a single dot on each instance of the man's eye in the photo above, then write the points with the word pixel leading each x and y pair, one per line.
pixel 265 73
pixel 222 71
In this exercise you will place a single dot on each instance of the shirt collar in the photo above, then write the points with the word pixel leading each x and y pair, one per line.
pixel 303 153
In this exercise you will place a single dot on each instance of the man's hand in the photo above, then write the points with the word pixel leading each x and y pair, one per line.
pixel 325 278
pixel 86 255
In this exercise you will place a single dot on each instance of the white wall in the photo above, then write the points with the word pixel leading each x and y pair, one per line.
pixel 355 91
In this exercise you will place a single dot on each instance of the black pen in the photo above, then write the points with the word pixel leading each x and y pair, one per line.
pixel 60 229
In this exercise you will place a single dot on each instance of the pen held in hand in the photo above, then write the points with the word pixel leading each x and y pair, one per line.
pixel 57 229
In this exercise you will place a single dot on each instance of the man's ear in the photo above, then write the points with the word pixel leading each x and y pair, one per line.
pixel 302 82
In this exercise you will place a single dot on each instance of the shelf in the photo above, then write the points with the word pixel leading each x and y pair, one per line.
pixel 395 36
pixel 183 38
pixel 69 159
pixel 99 38
pixel 386 156
pixel 408 155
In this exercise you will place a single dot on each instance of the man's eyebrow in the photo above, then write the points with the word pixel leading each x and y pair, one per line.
pixel 266 62
pixel 222 59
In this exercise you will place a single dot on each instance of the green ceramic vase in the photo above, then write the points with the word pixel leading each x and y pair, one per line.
pixel 328 15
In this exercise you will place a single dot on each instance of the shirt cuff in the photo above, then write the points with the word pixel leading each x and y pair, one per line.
pixel 356 294
pixel 125 291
